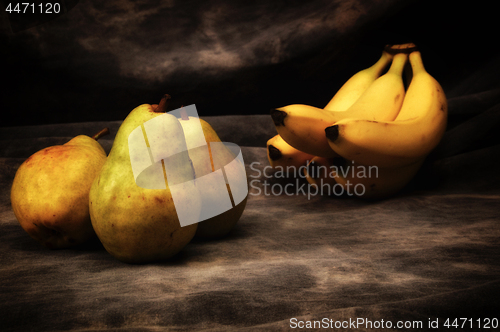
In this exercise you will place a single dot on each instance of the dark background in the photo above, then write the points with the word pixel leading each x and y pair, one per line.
pixel 99 60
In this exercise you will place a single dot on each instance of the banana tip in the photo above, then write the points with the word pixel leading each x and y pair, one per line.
pixel 274 153
pixel 332 132
pixel 278 117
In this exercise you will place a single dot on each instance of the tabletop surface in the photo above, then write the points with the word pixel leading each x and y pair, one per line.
pixel 429 253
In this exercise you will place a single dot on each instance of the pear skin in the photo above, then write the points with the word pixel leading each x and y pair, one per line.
pixel 220 225
pixel 135 224
pixel 50 191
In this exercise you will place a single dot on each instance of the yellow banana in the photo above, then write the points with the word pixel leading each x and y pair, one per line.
pixel 281 154
pixel 383 99
pixel 302 126
pixel 319 171
pixel 354 87
pixel 416 131
pixel 339 176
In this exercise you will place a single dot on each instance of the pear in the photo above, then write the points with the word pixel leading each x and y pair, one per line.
pixel 206 159
pixel 135 211
pixel 50 191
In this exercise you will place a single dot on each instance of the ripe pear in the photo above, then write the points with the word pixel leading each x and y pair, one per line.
pixel 205 160
pixel 50 191
pixel 136 221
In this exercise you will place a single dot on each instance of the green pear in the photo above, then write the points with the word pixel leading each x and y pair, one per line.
pixel 136 217
pixel 50 191
pixel 205 160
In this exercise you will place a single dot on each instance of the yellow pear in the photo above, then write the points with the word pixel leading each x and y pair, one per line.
pixel 207 157
pixel 50 192
pixel 136 203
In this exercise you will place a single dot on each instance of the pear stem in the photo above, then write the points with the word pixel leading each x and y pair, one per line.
pixel 100 134
pixel 184 115
pixel 162 106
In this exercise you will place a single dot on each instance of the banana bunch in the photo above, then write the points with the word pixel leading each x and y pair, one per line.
pixel 372 123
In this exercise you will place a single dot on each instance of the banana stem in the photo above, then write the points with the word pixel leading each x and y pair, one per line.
pixel 417 65
pixel 382 63
pixel 100 134
pixel 401 48
pixel 162 106
pixel 398 63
